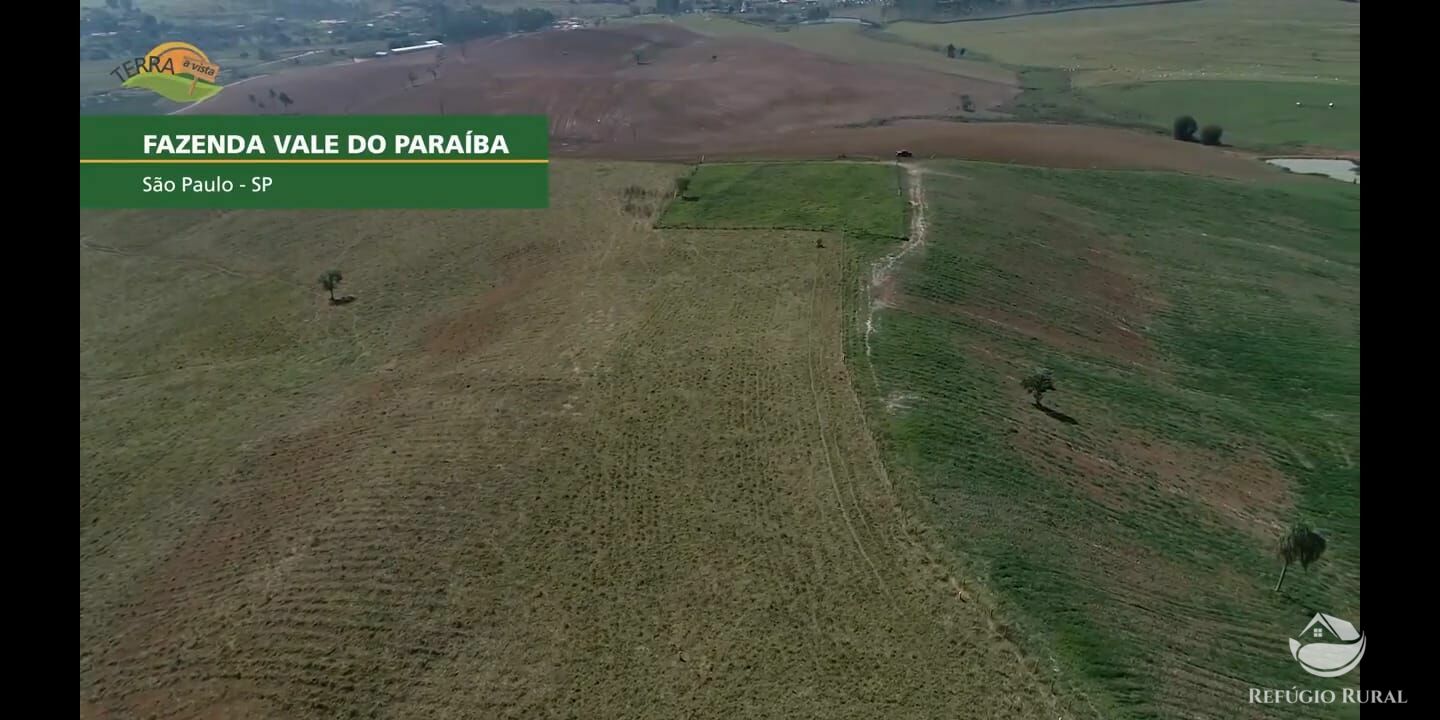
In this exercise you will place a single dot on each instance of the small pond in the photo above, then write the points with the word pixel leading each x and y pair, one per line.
pixel 1346 170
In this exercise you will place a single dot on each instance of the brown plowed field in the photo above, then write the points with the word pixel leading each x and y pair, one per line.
pixel 694 96
pixel 1063 146
pixel 689 89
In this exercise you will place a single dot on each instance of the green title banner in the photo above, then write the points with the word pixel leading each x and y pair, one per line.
pixel 291 162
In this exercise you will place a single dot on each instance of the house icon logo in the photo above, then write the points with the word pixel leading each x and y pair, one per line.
pixel 1328 646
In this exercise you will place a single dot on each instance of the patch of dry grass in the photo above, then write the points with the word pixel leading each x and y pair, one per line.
pixel 549 464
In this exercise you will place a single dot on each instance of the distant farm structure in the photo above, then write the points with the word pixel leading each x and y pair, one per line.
pixel 427 45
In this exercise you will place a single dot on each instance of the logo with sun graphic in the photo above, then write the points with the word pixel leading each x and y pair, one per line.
pixel 176 71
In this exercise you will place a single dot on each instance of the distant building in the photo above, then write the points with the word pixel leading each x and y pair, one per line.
pixel 427 45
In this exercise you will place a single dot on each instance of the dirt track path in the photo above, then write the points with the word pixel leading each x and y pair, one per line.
pixel 907 529
pixel 882 273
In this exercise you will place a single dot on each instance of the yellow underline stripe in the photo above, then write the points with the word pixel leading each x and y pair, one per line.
pixel 297 161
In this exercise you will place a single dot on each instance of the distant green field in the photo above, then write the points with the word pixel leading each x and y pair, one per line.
pixel 1254 114
pixel 185 8
pixel 1241 65
pixel 1204 336
pixel 860 199
pixel 1280 40
pixel 95 76
pixel 561 8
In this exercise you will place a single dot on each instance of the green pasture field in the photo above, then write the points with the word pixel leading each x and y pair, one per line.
pixel 95 76
pixel 1204 336
pixel 1239 64
pixel 1278 40
pixel 1253 114
pixel 857 198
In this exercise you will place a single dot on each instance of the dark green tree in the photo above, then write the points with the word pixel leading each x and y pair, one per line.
pixel 1301 544
pixel 1037 384
pixel 330 279
pixel 1185 127
pixel 1210 134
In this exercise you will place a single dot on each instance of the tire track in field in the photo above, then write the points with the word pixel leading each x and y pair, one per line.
pixel 811 361
pixel 874 504
pixel 230 272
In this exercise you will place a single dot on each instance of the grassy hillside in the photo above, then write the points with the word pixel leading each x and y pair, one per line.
pixel 1205 341
pixel 1279 40
pixel 1240 64
pixel 548 464
pixel 858 199
pixel 1254 114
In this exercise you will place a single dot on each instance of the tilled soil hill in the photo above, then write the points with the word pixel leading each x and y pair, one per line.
pixel 660 92
pixel 626 89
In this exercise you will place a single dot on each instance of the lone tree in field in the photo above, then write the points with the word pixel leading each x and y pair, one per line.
pixel 950 50
pixel 1210 134
pixel 1185 127
pixel 1037 384
pixel 330 279
pixel 1300 544
pixel 681 185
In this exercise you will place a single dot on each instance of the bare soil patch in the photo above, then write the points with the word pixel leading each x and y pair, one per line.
pixel 1062 146
pixel 687 90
